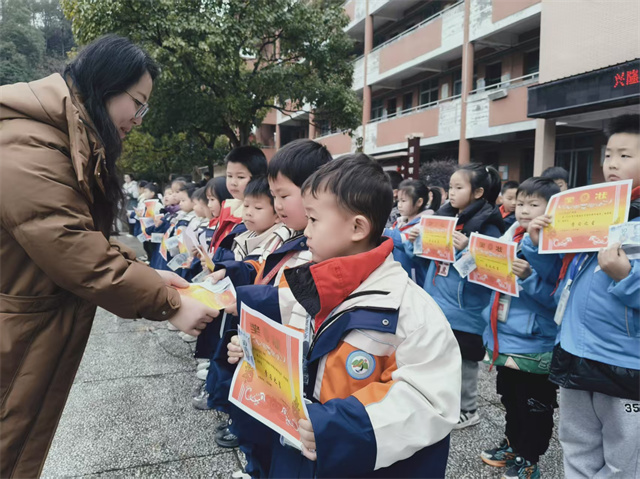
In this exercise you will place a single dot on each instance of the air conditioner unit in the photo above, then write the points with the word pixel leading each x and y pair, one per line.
pixel 497 94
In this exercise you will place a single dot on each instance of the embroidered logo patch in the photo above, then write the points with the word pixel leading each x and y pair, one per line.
pixel 360 365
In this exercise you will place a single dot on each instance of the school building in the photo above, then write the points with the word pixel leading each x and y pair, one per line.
pixel 518 84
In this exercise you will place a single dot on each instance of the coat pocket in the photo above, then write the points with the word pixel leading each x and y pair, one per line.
pixel 632 318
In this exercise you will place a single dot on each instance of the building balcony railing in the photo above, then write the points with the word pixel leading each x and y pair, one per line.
pixel 358 73
pixel 410 51
pixel 487 17
pixel 337 142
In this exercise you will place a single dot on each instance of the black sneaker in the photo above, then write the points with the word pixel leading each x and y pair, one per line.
pixel 522 469
pixel 226 438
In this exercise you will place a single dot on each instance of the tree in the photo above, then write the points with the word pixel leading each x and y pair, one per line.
pixel 35 38
pixel 227 62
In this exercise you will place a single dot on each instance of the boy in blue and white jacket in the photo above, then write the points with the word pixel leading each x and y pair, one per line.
pixel 596 361
pixel 519 338
pixel 392 418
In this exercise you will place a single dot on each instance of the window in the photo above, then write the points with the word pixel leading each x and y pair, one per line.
pixel 407 101
pixel 376 109
pixel 532 62
pixel 323 127
pixel 457 83
pixel 493 74
pixel 429 91
pixel 391 107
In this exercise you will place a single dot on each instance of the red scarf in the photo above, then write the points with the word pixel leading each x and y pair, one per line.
pixel 517 237
pixel 504 212
pixel 568 258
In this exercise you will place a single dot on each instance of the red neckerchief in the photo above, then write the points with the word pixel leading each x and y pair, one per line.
pixel 517 237
pixel 568 258
pixel 504 212
pixel 226 222
pixel 337 278
pixel 214 222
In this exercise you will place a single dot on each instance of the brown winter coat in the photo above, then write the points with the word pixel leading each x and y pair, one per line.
pixel 55 266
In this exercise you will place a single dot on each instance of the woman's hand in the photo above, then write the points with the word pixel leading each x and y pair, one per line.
pixel 234 350
pixel 193 316
pixel 172 279
pixel 460 241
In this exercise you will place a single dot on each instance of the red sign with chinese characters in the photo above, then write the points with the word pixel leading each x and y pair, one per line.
pixel 626 78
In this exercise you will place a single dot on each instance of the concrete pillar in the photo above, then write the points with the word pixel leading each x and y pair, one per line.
pixel 464 148
pixel 545 146
pixel 277 137
pixel 312 127
pixel 366 91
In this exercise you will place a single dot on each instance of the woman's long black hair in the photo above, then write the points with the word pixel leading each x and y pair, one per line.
pixel 103 69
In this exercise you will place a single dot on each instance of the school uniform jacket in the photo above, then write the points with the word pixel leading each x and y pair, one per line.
pixel 384 371
pixel 57 263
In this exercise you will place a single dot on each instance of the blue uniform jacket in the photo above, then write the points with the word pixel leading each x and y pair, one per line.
pixel 602 318
pixel 530 327
pixel 461 302
pixel 415 266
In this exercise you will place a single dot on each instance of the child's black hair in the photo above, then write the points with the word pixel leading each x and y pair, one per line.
pixel 142 184
pixel 180 180
pixel 249 156
pixel 436 199
pixel 416 189
pixel 199 194
pixel 298 160
pixel 485 177
pixel 624 124
pixel 218 188
pixel 395 178
pixel 509 185
pixel 258 187
pixel 556 173
pixel 359 185
pixel 538 186
pixel 189 188
pixel 153 188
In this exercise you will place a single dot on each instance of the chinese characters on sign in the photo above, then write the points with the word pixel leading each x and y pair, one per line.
pixel 494 263
pixel 582 216
pixel 630 77
pixel 436 238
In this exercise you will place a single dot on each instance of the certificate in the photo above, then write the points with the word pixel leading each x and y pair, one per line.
pixel 216 296
pixel 436 238
pixel 494 263
pixel 582 217
pixel 271 391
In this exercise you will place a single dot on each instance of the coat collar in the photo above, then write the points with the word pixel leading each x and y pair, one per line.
pixel 322 287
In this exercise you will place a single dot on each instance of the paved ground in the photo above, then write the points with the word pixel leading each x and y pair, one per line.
pixel 129 414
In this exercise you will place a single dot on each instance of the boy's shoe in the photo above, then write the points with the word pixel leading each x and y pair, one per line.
pixel 204 365
pixel 171 327
pixel 202 374
pixel 240 474
pixel 467 419
pixel 201 401
pixel 522 469
pixel 498 456
pixel 226 438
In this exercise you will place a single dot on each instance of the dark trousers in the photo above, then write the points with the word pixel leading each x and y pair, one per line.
pixel 529 400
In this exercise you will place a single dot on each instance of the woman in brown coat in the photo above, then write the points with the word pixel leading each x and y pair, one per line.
pixel 59 194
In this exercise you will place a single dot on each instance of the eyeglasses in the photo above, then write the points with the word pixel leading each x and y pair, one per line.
pixel 143 108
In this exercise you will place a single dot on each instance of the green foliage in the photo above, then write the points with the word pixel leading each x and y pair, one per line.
pixel 221 73
pixel 34 39
pixel 155 158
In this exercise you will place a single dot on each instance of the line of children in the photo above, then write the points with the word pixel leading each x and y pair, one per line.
pixel 257 281
pixel 394 419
